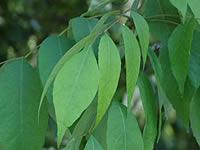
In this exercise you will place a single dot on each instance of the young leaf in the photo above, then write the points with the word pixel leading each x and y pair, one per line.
pixel 142 30
pixel 93 144
pixel 132 56
pixel 109 68
pixel 179 51
pixel 74 89
pixel 194 115
pixel 86 27
pixel 195 5
pixel 181 5
pixel 149 104
pixel 51 50
pixel 123 131
pixel 20 91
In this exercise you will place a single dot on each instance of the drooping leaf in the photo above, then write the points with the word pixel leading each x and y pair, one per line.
pixel 179 45
pixel 132 56
pixel 142 30
pixel 150 110
pixel 93 144
pixel 74 89
pixel 160 30
pixel 181 5
pixel 51 50
pixel 74 50
pixel 109 68
pixel 194 66
pixel 195 5
pixel 122 131
pixel 81 27
pixel 171 89
pixel 194 115
pixel 20 91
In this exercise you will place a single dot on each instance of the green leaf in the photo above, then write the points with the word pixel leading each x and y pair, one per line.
pixel 93 144
pixel 132 56
pixel 74 50
pixel 51 50
pixel 160 30
pixel 142 30
pixel 194 66
pixel 74 89
pixel 181 5
pixel 179 51
pixel 20 91
pixel 150 110
pixel 81 27
pixel 73 144
pixel 194 116
pixel 195 5
pixel 109 68
pixel 171 89
pixel 122 131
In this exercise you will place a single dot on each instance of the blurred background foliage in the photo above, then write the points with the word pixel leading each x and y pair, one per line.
pixel 23 26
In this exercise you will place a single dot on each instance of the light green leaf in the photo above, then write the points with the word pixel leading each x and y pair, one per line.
pixel 20 91
pixel 132 57
pixel 142 30
pixel 99 28
pixel 194 66
pixel 81 27
pixel 179 51
pixel 195 5
pixel 93 144
pixel 74 89
pixel 194 115
pixel 181 5
pixel 149 104
pixel 109 68
pixel 51 50
pixel 122 131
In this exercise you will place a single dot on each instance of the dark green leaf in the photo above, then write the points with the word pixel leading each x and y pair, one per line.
pixel 20 91
pixel 51 50
pixel 150 109
pixel 79 77
pixel 194 115
pixel 181 5
pixel 179 51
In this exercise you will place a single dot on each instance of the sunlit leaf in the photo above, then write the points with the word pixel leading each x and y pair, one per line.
pixel 74 89
pixel 181 5
pixel 109 68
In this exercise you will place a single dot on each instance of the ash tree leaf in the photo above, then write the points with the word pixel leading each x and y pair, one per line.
pixel 195 5
pixel 20 91
pixel 100 26
pixel 109 68
pixel 74 89
pixel 179 45
pixel 81 27
pixel 194 115
pixel 93 144
pixel 132 58
pixel 142 30
pixel 181 5
pixel 51 50
pixel 122 130
pixel 150 110
pixel 194 66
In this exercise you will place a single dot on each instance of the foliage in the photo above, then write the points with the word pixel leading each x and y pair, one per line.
pixel 83 73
